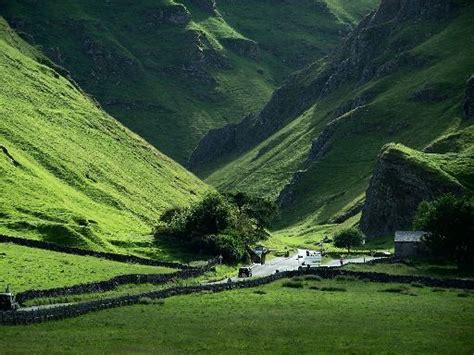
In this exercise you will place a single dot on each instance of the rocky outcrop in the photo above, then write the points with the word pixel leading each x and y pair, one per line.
pixel 402 179
pixel 242 46
pixel 208 6
pixel 468 105
pixel 429 94
pixel 176 14
pixel 359 59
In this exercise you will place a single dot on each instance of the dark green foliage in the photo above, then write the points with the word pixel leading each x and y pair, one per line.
pixel 449 222
pixel 348 238
pixel 214 226
pixel 293 284
pixel 261 209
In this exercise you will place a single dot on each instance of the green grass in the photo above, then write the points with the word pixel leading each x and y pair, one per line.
pixel 27 268
pixel 73 175
pixel 335 182
pixel 276 319
pixel 419 268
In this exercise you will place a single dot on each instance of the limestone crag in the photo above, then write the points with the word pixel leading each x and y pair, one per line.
pixel 400 182
pixel 468 105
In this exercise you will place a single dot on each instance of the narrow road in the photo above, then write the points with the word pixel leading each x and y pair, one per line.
pixel 293 263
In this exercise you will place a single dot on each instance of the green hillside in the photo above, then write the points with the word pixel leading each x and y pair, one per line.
pixel 172 70
pixel 70 173
pixel 398 78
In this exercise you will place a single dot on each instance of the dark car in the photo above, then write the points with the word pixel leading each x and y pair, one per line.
pixel 245 272
pixel 8 302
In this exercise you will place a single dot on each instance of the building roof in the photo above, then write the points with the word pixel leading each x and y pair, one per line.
pixel 409 236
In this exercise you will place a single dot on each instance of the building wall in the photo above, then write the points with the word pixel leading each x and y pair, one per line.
pixel 406 250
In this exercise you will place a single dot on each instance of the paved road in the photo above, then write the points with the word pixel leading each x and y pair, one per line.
pixel 293 262
pixel 46 306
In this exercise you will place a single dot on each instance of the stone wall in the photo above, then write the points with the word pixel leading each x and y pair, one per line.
pixel 84 252
pixel 63 312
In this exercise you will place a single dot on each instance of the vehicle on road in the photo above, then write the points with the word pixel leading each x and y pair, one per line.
pixel 8 302
pixel 245 271
pixel 312 259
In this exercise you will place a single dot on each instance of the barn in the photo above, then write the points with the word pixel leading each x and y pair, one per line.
pixel 409 244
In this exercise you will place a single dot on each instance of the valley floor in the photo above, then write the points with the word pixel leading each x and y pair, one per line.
pixel 328 316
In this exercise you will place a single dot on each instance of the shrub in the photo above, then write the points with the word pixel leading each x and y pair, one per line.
pixel 313 278
pixel 260 292
pixel 293 284
pixel 349 238
pixel 314 288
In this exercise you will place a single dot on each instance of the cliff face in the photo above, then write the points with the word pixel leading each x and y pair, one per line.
pixel 402 179
pixel 360 58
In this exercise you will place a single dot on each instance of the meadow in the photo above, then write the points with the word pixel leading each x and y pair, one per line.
pixel 316 316
pixel 27 268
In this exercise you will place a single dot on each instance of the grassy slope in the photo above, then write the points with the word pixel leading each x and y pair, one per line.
pixel 361 320
pixel 138 77
pixel 293 36
pixel 82 179
pixel 342 176
pixel 19 268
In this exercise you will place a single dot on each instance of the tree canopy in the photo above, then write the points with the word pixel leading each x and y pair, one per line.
pixel 349 238
pixel 218 224
pixel 449 222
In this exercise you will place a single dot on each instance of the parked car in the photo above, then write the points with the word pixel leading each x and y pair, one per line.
pixel 8 302
pixel 245 271
pixel 382 254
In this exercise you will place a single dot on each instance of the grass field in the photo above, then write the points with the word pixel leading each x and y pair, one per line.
pixel 413 268
pixel 28 268
pixel 317 317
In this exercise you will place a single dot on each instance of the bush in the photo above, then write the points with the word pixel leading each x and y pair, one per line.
pixel 316 288
pixel 260 292
pixel 214 226
pixel 313 278
pixel 293 284
pixel 349 238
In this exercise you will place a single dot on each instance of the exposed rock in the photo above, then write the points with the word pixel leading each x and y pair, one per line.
pixel 468 106
pixel 12 160
pixel 345 215
pixel 208 6
pixel 176 14
pixel 286 198
pixel 428 94
pixel 359 59
pixel 242 46
pixel 400 182
pixel 217 142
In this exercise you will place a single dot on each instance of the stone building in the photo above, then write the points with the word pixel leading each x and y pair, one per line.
pixel 409 244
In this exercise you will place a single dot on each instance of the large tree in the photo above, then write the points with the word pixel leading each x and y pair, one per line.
pixel 349 238
pixel 449 222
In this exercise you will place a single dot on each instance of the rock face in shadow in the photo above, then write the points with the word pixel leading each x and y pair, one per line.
pixel 468 106
pixel 360 58
pixel 400 182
